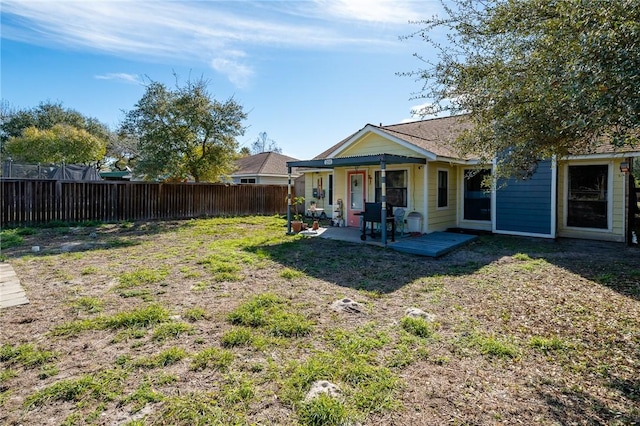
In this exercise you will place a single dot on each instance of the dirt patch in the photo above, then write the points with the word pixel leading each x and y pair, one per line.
pixel 524 331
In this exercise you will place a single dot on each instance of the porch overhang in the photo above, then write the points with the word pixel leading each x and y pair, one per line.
pixel 360 160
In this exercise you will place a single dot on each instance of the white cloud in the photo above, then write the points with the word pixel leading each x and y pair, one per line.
pixel 179 30
pixel 120 76
pixel 237 73
pixel 376 11
pixel 427 110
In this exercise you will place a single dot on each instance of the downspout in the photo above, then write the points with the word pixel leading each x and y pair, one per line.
pixel 425 198
pixel 383 199
pixel 289 202
pixel 494 195
pixel 626 210
pixel 554 197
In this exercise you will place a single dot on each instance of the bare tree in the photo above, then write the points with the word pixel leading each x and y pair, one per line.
pixel 264 144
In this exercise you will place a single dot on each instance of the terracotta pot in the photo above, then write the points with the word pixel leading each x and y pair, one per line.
pixel 296 225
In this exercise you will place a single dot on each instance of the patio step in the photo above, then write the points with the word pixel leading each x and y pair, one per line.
pixel 435 244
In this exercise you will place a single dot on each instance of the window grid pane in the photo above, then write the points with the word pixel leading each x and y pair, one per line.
pixel 477 200
pixel 588 198
pixel 396 187
pixel 443 190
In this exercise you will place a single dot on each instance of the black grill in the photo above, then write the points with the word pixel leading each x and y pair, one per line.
pixel 373 214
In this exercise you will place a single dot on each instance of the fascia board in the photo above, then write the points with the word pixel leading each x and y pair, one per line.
pixel 602 156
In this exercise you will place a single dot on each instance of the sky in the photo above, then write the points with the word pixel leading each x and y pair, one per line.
pixel 309 73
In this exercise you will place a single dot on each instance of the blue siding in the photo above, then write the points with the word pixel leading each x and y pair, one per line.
pixel 525 205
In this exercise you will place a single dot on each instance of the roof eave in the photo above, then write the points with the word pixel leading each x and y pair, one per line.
pixel 362 160
pixel 601 156
pixel 454 160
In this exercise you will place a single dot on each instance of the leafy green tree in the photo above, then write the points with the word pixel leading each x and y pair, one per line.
pixel 122 152
pixel 30 135
pixel 60 143
pixel 45 116
pixel 536 77
pixel 184 132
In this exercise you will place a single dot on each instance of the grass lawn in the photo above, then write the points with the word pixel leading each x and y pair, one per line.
pixel 229 321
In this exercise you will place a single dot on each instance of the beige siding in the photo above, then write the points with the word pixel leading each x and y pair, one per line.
pixel 272 180
pixel 616 198
pixel 339 190
pixel 422 182
pixel 374 144
pixel 264 180
pixel 371 144
pixel 311 182
pixel 441 218
pixel 415 191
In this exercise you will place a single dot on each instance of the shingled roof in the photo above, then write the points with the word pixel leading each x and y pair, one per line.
pixel 433 135
pixel 264 163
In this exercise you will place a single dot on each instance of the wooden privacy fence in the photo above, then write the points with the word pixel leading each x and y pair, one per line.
pixel 26 202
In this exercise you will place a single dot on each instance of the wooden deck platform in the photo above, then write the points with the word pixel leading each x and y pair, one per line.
pixel 432 245
pixel 11 292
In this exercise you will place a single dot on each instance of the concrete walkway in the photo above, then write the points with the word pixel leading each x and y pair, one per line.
pixel 11 292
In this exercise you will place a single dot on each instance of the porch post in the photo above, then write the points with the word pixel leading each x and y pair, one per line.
pixel 383 199
pixel 289 202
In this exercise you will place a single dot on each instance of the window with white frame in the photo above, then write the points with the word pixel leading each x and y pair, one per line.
pixel 477 199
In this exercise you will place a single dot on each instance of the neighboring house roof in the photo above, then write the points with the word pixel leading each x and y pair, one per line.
pixel 264 163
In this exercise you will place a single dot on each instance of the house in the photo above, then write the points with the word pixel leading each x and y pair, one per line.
pixel 265 168
pixel 580 196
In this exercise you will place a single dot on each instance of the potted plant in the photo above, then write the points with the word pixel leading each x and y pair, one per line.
pixel 296 223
